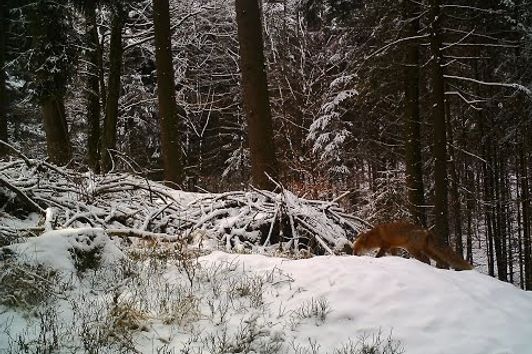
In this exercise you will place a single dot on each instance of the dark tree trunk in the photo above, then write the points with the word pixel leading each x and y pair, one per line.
pixel 498 233
pixel 255 93
pixel 3 93
pixel 439 144
pixel 55 126
pixel 113 93
pixel 48 36
pixel 525 211
pixel 470 206
pixel 93 89
pixel 456 206
pixel 414 163
pixel 170 134
pixel 488 200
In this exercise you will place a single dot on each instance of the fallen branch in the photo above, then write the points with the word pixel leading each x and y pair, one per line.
pixel 30 203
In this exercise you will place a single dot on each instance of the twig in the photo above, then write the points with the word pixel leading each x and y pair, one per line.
pixel 144 235
pixel 12 148
pixel 25 199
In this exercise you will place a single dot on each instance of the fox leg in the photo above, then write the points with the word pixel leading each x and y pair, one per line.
pixel 395 252
pixel 420 256
pixel 440 262
pixel 381 252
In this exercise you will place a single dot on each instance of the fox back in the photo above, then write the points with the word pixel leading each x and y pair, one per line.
pixel 390 235
pixel 421 243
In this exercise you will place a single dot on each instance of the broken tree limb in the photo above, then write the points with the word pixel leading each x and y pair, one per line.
pixel 30 203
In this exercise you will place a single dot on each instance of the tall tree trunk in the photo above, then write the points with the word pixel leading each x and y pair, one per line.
pixel 113 92
pixel 519 223
pixel 56 129
pixel 470 207
pixel 414 163
pixel 499 238
pixel 510 237
pixel 255 93
pixel 439 144
pixel 93 87
pixel 456 206
pixel 525 211
pixel 488 199
pixel 168 110
pixel 3 93
pixel 47 31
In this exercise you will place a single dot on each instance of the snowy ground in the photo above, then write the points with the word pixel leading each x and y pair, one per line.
pixel 429 310
pixel 80 283
pixel 163 302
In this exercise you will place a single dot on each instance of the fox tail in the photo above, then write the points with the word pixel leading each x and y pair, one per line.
pixel 444 255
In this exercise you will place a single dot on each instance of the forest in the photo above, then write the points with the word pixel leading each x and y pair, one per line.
pixel 420 110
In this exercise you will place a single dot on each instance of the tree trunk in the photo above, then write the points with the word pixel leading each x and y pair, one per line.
pixel 439 144
pixel 3 93
pixel 48 36
pixel 414 163
pixel 456 206
pixel 525 211
pixel 488 200
pixel 55 126
pixel 255 93
pixel 470 207
pixel 113 93
pixel 499 239
pixel 168 110
pixel 93 91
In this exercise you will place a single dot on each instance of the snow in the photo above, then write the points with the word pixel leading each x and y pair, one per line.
pixel 54 248
pixel 431 311
pixel 427 310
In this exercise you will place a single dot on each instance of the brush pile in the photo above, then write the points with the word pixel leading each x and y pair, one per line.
pixel 36 196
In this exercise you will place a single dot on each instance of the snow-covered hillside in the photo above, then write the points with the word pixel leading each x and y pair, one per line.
pixel 247 303
pixel 431 311
pixel 118 264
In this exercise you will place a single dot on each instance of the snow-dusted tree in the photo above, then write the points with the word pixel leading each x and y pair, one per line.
pixel 3 93
pixel 412 123
pixel 168 110
pixel 109 133
pixel 439 126
pixel 52 64
pixel 331 131
pixel 93 76
pixel 94 56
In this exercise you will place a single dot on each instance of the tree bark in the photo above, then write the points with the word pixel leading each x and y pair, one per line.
pixel 413 159
pixel 439 144
pixel 168 110
pixel 255 94
pixel 525 212
pixel 93 91
pixel 113 92
pixel 55 126
pixel 48 38
pixel 470 207
pixel 3 93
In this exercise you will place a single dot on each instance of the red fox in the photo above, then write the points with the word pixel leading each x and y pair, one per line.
pixel 422 244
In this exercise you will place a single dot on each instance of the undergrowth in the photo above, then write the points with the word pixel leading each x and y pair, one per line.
pixel 161 299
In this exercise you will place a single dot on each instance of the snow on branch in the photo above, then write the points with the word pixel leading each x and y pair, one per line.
pixel 467 101
pixel 474 8
pixel 515 86
pixel 127 206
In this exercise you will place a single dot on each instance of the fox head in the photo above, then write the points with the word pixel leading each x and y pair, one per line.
pixel 359 246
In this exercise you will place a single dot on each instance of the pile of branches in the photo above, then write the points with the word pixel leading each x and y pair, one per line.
pixel 126 205
pixel 258 218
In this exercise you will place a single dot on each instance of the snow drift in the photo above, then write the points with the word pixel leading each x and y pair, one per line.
pixel 431 311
